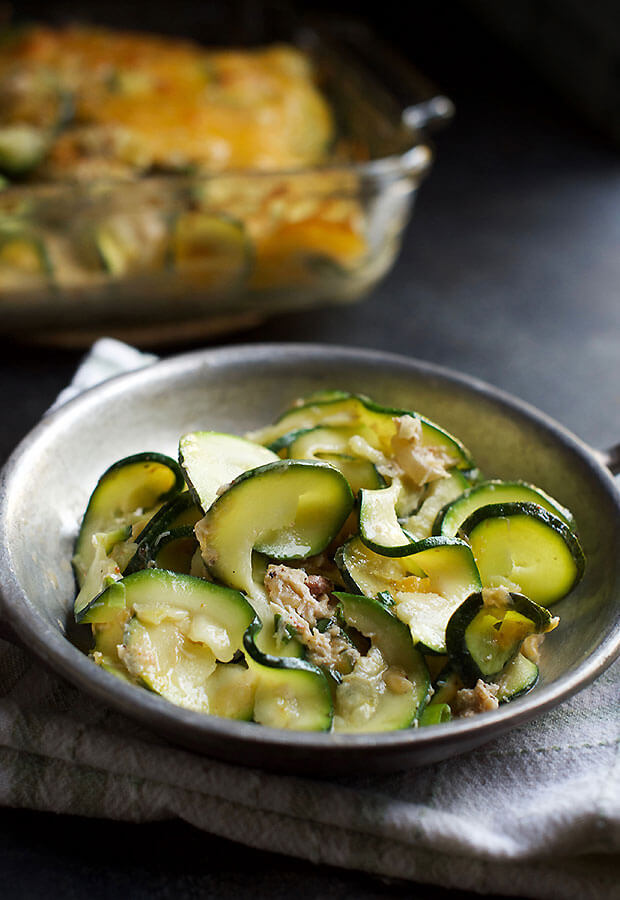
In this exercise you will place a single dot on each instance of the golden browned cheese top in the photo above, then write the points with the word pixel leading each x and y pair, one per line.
pixel 139 101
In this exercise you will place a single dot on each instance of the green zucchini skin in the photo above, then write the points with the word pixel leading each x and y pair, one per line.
pixel 517 679
pixel 172 550
pixel 392 638
pixel 366 572
pixel 448 562
pixel 210 460
pixel 115 498
pixel 489 658
pixel 281 444
pixel 174 520
pixel 557 559
pixel 328 407
pixel 163 591
pixel 436 714
pixel 291 693
pixel 451 517
pixel 420 524
pixel 378 525
pixel 246 518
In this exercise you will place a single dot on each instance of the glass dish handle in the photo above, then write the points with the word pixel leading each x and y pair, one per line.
pixel 429 113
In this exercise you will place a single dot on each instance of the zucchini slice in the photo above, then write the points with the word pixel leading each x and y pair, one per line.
pixel 437 494
pixel 210 252
pixel 129 243
pixel 331 444
pixel 160 657
pixel 525 548
pixel 108 637
pixel 173 550
pixel 24 261
pixel 450 576
pixel 290 509
pixel 174 520
pixel 290 693
pixel 22 147
pixel 105 566
pixel 426 585
pixel 378 524
pixel 205 613
pixel 388 686
pixel 486 632
pixel 212 460
pixel 360 473
pixel 453 514
pixel 369 573
pixel 358 411
pixel 436 714
pixel 314 443
pixel 445 686
pixel 125 490
pixel 518 677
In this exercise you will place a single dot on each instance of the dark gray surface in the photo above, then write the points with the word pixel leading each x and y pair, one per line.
pixel 511 272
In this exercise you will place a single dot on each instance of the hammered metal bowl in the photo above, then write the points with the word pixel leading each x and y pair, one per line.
pixel 47 482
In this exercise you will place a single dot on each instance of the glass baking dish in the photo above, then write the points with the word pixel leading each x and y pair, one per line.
pixel 326 234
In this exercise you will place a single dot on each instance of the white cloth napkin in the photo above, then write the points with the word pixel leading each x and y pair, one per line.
pixel 533 814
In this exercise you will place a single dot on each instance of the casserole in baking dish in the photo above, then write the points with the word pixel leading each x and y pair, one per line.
pixel 148 180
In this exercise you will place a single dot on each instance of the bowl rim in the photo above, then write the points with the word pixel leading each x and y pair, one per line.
pixel 54 649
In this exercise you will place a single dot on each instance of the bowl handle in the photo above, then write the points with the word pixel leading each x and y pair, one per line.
pixel 610 458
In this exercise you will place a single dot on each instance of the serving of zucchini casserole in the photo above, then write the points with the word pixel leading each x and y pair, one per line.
pixel 344 569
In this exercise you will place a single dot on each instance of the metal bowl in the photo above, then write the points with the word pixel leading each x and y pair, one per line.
pixel 47 482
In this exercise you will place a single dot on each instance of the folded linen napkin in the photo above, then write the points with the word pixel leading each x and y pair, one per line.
pixel 533 814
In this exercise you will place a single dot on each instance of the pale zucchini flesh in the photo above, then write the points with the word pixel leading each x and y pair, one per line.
pixel 389 686
pixel 290 509
pixel 450 576
pixel 186 672
pixel 438 493
pixel 290 693
pixel 360 473
pixel 211 461
pixel 518 677
pixel 426 586
pixel 454 513
pixel 378 524
pixel 526 549
pixel 205 613
pixel 128 487
pixel 352 410
pixel 484 634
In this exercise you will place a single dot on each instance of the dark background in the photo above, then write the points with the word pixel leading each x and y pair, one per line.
pixel 510 271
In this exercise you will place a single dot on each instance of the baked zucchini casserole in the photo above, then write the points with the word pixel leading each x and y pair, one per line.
pixel 136 160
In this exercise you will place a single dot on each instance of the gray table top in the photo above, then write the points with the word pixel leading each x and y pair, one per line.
pixel 510 271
